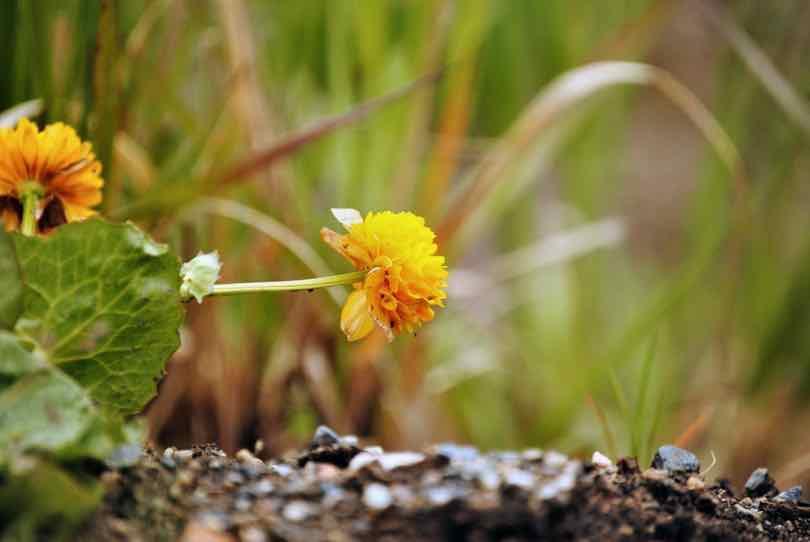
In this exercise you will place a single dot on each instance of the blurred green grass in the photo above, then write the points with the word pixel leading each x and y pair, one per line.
pixel 175 93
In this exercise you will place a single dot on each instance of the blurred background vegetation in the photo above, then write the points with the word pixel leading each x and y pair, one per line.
pixel 628 241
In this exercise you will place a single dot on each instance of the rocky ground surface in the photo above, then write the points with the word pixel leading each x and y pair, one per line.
pixel 339 491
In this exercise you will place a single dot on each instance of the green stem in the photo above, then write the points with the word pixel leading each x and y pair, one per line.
pixel 30 194
pixel 287 285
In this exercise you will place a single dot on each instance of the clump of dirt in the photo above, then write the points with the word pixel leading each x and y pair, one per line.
pixel 337 491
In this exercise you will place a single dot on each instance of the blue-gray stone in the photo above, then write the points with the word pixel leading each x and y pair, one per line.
pixel 794 494
pixel 673 459
pixel 324 436
pixel 125 455
pixel 759 483
pixel 456 453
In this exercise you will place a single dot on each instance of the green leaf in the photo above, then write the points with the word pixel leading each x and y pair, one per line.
pixel 101 304
pixel 44 410
pixel 10 283
pixel 41 501
pixel 15 360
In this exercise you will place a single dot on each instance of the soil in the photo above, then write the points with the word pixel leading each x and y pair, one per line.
pixel 337 491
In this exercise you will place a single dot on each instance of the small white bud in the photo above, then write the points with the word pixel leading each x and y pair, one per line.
pixel 199 275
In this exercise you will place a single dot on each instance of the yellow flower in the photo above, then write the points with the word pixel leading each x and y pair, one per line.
pixel 54 163
pixel 405 277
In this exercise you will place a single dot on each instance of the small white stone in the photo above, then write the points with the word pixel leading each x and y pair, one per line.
pixel 298 511
pixel 361 460
pixel 252 534
pixel 519 478
pixel 282 469
pixel 377 497
pixel 184 455
pixel 555 459
pixel 439 496
pixel 245 456
pixel 395 460
pixel 601 460
pixel 533 454
pixel 489 479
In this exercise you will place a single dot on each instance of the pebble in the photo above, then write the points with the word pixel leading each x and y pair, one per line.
pixel 183 455
pixel 759 483
pixel 601 460
pixel 233 479
pixel 555 459
pixel 792 495
pixel 440 495
pixel 298 511
pixel 361 460
pixel 673 459
pixel 324 436
pixel 519 478
pixel 755 514
pixel 242 504
pixel 489 479
pixel 332 495
pixel 124 456
pixel 169 452
pixel 349 440
pixel 695 484
pixel 282 469
pixel 213 520
pixel 507 457
pixel 252 533
pixel 396 460
pixel 402 494
pixel 253 470
pixel 168 462
pixel 245 456
pixel 377 497
pixel 261 488
pixel 455 452
pixel 561 484
pixel 532 454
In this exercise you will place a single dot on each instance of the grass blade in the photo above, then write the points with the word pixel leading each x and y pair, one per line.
pixel 641 397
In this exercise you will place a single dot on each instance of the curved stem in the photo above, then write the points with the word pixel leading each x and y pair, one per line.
pixel 287 285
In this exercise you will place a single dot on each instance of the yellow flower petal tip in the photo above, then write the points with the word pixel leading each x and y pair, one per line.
pixel 62 166
pixel 405 277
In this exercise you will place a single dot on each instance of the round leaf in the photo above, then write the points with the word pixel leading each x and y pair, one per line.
pixel 101 303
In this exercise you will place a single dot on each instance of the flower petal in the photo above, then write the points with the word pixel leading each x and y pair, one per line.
pixel 355 318
pixel 347 217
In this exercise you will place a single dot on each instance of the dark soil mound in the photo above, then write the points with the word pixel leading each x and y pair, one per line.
pixel 336 491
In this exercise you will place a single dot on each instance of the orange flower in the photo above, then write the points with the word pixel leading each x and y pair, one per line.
pixel 405 277
pixel 55 165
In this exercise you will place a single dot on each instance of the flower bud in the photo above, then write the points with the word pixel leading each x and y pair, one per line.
pixel 199 275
